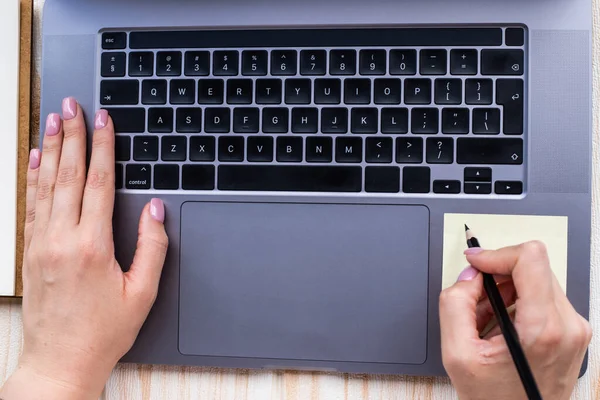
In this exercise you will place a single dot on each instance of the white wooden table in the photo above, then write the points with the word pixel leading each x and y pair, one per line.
pixel 148 382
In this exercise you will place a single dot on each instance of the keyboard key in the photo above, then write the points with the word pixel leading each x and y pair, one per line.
pixel 502 62
pixel 463 62
pixel 296 178
pixel 210 91
pixel 379 150
pixel 455 120
pixel 478 188
pixel 334 120
pixel 416 180
pixel 117 92
pixel 342 62
pixel 239 91
pixel 254 62
pixel 245 120
pixel 112 65
pixel 160 120
pixel 446 187
pixel 154 91
pixel 478 174
pixel 328 91
pixel 448 91
pixel 297 91
pixel 145 148
pixel 173 148
pixel 382 179
pixel 313 62
pixel 514 36
pixel 489 151
pixel 433 62
pixel 202 148
pixel 478 91
pixel 217 120
pixel 403 62
pixel 198 177
pixel 394 120
pixel 373 62
pixel 260 149
pixel 319 149
pixel 424 120
pixel 225 63
pixel 357 91
pixel 166 177
pixel 114 40
pixel 486 121
pixel 417 91
pixel 197 63
pixel 284 62
pixel 305 120
pixel 508 187
pixel 440 151
pixel 137 176
pixel 141 63
pixel 231 148
pixel 364 120
pixel 118 176
pixel 275 120
pixel 183 91
pixel 122 148
pixel 168 63
pixel 388 91
pixel 188 120
pixel 268 91
pixel 128 120
pixel 348 150
pixel 409 150
pixel 509 93
pixel 289 149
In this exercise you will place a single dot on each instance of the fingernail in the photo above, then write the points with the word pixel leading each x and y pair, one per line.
pixel 157 210
pixel 101 119
pixel 52 124
pixel 473 250
pixel 69 108
pixel 34 159
pixel 468 274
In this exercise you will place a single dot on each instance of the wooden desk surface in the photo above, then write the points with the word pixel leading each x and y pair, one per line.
pixel 149 382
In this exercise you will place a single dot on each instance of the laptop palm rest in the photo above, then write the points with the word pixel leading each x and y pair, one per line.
pixel 323 282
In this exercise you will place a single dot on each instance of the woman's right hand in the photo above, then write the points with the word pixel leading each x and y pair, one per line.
pixel 553 335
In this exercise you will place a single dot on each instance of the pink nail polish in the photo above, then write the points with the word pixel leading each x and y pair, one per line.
pixel 473 250
pixel 34 159
pixel 69 108
pixel 52 124
pixel 101 119
pixel 467 274
pixel 157 210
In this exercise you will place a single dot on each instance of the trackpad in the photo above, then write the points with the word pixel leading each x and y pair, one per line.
pixel 304 281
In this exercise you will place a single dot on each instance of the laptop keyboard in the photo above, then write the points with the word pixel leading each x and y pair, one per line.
pixel 436 111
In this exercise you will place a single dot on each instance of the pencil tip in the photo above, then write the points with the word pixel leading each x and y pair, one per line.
pixel 466 228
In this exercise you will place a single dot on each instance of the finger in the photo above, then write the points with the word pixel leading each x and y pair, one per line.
pixel 529 267
pixel 458 305
pixel 99 193
pixel 33 173
pixel 494 329
pixel 71 169
pixel 485 312
pixel 48 169
pixel 144 274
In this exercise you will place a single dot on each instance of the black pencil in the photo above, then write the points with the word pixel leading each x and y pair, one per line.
pixel 507 327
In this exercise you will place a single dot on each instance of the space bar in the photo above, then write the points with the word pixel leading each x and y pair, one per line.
pixel 289 178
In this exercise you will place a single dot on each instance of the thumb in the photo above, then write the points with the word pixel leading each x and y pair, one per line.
pixel 145 271
pixel 458 314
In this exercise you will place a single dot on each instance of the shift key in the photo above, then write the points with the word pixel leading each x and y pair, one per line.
pixel 489 151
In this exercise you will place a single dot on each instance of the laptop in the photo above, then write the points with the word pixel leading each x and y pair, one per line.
pixel 307 153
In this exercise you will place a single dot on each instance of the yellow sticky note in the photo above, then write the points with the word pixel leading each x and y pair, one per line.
pixel 496 231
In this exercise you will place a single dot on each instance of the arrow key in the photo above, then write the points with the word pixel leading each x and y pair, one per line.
pixel 379 150
pixel 478 174
pixel 478 188
pixel 446 187
pixel 508 187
